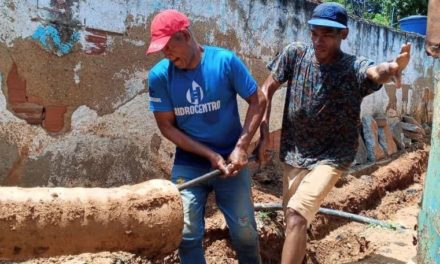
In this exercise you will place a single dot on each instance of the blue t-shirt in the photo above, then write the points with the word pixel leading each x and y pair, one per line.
pixel 204 100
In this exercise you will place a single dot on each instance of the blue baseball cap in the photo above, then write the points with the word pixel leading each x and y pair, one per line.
pixel 329 15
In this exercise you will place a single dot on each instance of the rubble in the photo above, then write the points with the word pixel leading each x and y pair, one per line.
pixel 370 129
pixel 384 135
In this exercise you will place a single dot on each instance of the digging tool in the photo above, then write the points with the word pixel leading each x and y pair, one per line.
pixel 349 216
pixel 208 176
pixel 145 218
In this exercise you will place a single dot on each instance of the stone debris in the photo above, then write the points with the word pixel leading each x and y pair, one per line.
pixel 371 137
pixel 384 135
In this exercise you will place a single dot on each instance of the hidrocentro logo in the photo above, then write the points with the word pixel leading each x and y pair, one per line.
pixel 194 95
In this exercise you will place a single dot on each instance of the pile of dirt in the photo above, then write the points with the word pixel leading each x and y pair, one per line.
pixel 389 192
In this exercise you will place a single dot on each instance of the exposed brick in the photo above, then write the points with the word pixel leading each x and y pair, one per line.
pixel 27 108
pixel 31 118
pixel 16 86
pixel 54 118
pixel 97 42
pixel 32 113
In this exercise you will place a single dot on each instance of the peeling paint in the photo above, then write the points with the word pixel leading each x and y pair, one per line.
pixel 134 83
pixel 104 15
pixel 49 35
pixel 76 72
pixel 256 30
pixel 5 115
pixel 83 117
pixel 102 82
pixel 137 43
pixel 17 23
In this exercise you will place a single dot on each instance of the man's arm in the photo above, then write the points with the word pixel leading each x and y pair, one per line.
pixel 166 122
pixel 268 89
pixel 391 71
pixel 238 157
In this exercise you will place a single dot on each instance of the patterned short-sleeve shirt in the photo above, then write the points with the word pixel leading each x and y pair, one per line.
pixel 321 118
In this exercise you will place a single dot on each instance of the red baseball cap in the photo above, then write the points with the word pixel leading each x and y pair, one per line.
pixel 164 25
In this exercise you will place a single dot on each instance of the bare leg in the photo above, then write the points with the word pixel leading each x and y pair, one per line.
pixel 294 248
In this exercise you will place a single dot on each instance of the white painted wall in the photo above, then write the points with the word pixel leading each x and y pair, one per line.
pixel 256 30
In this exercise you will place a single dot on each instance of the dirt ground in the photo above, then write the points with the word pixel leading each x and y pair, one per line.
pixel 391 192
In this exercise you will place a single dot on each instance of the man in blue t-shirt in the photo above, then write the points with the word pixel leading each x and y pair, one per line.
pixel 193 94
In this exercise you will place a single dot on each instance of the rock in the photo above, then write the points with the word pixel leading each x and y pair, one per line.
pixel 413 132
pixel 386 140
pixel 411 120
pixel 427 129
pixel 413 135
pixel 381 121
pixel 407 142
pixel 362 153
pixel 397 131
pixel 392 113
pixel 393 121
pixel 412 128
pixel 370 129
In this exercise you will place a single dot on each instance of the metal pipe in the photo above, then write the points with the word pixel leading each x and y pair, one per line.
pixel 332 212
pixel 208 176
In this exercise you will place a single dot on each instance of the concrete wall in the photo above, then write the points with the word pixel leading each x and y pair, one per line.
pixel 73 97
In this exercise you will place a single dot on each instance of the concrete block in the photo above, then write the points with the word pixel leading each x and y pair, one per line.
pixel 370 130
pixel 362 153
pixel 386 140
pixel 407 142
pixel 413 121
pixel 398 136
pixel 381 120
pixel 412 128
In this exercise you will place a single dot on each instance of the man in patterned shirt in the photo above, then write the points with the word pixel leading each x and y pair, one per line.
pixel 321 121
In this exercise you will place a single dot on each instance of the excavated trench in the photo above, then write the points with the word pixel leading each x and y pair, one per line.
pixel 364 191
pixel 360 192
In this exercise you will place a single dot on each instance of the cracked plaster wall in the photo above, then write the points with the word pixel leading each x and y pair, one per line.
pixel 73 99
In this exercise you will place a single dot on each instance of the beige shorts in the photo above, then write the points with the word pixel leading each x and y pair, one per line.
pixel 305 190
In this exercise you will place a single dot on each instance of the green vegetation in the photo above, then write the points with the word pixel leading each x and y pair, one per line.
pixel 384 12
